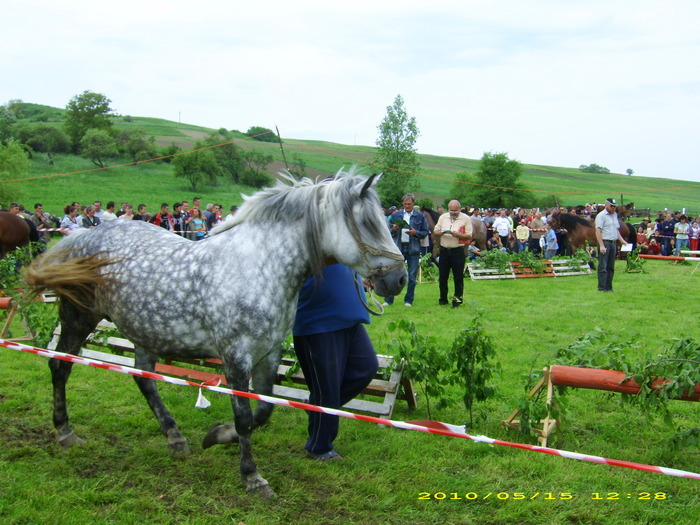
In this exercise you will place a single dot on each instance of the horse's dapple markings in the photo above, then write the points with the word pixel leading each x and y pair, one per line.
pixel 231 296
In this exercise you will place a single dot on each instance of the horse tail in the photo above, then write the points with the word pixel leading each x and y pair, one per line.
pixel 73 278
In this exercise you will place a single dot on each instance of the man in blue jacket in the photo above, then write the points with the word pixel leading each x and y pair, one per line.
pixel 334 350
pixel 408 227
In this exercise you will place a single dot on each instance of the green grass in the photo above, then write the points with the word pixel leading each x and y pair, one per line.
pixel 125 474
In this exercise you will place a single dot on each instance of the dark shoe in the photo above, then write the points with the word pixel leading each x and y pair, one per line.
pixel 456 302
pixel 331 455
pixel 442 302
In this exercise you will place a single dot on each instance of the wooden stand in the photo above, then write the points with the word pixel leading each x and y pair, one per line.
pixel 378 398
pixel 6 303
pixel 549 423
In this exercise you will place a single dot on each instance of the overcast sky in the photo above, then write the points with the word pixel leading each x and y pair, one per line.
pixel 616 83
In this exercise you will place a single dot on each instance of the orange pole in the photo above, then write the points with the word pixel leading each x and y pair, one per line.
pixel 610 380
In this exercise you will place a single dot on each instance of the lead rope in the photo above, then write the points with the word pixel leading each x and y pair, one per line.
pixel 364 303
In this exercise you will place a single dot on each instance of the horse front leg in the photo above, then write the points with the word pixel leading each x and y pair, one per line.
pixel 243 417
pixel 264 375
pixel 176 441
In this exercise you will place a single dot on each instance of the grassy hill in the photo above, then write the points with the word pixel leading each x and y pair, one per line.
pixel 153 182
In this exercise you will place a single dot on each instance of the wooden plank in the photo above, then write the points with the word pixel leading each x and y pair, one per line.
pixel 189 373
pixel 107 357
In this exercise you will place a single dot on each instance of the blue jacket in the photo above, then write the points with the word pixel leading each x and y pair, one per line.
pixel 330 303
pixel 418 223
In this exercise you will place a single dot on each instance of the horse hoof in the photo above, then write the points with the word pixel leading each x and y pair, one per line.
pixel 261 489
pixel 179 447
pixel 68 440
pixel 220 435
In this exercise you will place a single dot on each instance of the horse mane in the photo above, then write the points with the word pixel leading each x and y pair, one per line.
pixel 291 200
pixel 429 211
pixel 569 221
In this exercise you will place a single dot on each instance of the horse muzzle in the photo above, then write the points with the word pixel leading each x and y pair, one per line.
pixel 390 281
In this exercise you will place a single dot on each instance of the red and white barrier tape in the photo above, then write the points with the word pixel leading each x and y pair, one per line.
pixel 432 427
pixel 668 257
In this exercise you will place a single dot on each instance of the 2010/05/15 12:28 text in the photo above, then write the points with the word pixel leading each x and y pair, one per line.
pixel 542 495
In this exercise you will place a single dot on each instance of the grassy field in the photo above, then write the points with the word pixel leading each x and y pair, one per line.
pixel 124 472
pixel 71 177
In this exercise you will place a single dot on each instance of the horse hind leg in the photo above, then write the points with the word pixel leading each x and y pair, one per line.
pixel 176 441
pixel 76 326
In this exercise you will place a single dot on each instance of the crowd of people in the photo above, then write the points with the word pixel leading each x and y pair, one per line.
pixel 192 223
pixel 518 230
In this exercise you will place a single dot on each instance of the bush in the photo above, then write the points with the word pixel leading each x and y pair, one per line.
pixel 262 134
pixel 256 179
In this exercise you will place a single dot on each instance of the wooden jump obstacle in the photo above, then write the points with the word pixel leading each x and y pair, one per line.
pixel 9 304
pixel 676 258
pixel 555 268
pixel 6 303
pixel 379 397
pixel 590 378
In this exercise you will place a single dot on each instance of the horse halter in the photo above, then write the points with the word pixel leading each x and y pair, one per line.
pixel 368 249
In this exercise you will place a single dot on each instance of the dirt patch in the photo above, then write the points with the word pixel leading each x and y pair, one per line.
pixel 194 134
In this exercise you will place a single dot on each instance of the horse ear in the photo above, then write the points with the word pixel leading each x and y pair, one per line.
pixel 368 184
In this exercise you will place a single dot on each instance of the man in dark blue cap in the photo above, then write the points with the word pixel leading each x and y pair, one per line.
pixel 607 232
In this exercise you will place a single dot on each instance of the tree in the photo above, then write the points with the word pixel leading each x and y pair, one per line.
pixel 397 154
pixel 497 183
pixel 629 171
pixel 197 166
pixel 98 145
pixel 134 143
pixel 44 138
pixel 13 164
pixel 169 152
pixel 462 189
pixel 228 156
pixel 8 118
pixel 593 168
pixel 262 134
pixel 87 111
pixel 255 173
pixel 298 167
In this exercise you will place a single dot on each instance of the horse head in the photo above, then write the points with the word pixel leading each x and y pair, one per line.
pixel 553 219
pixel 624 211
pixel 358 236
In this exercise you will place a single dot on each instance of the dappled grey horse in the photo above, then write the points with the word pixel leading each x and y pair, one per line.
pixel 239 286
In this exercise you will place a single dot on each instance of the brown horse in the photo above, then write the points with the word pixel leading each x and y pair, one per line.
pixel 478 229
pixel 14 232
pixel 580 231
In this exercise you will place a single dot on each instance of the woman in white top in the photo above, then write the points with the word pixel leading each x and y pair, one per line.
pixel 70 221
pixel 681 230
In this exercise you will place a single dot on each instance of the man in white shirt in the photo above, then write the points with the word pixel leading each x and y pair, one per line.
pixel 108 214
pixel 451 228
pixel 502 226
pixel 607 232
